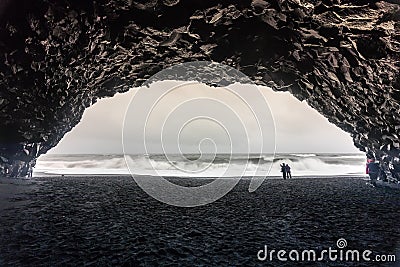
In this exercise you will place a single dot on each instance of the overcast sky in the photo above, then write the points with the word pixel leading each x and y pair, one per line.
pixel 219 115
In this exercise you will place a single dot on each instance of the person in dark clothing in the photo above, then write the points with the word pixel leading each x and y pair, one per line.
pixel 288 172
pixel 373 170
pixel 283 170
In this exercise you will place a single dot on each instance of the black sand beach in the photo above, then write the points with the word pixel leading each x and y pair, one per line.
pixel 104 221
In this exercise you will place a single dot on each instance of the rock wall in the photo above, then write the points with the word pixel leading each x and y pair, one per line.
pixel 58 57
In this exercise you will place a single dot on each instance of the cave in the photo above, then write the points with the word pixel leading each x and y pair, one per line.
pixel 59 57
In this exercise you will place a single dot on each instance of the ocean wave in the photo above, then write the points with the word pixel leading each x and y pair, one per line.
pixel 304 155
pixel 177 166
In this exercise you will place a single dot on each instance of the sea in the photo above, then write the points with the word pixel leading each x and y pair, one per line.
pixel 196 165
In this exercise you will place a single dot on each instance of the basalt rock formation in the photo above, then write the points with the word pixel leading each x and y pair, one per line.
pixel 58 57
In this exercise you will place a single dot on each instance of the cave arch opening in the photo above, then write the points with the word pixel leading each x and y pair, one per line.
pixel 304 138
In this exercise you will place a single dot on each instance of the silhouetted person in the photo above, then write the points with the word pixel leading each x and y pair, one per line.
pixel 288 172
pixel 369 159
pixel 373 170
pixel 283 170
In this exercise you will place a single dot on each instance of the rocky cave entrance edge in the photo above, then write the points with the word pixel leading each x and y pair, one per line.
pixel 57 58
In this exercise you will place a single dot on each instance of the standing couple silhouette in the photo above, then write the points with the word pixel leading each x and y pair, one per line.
pixel 286 173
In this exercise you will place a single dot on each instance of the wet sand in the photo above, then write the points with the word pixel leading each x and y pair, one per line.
pixel 104 221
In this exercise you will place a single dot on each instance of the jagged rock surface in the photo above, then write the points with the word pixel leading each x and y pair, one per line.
pixel 58 57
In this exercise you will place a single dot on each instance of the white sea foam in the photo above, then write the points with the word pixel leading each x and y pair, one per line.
pixel 222 165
